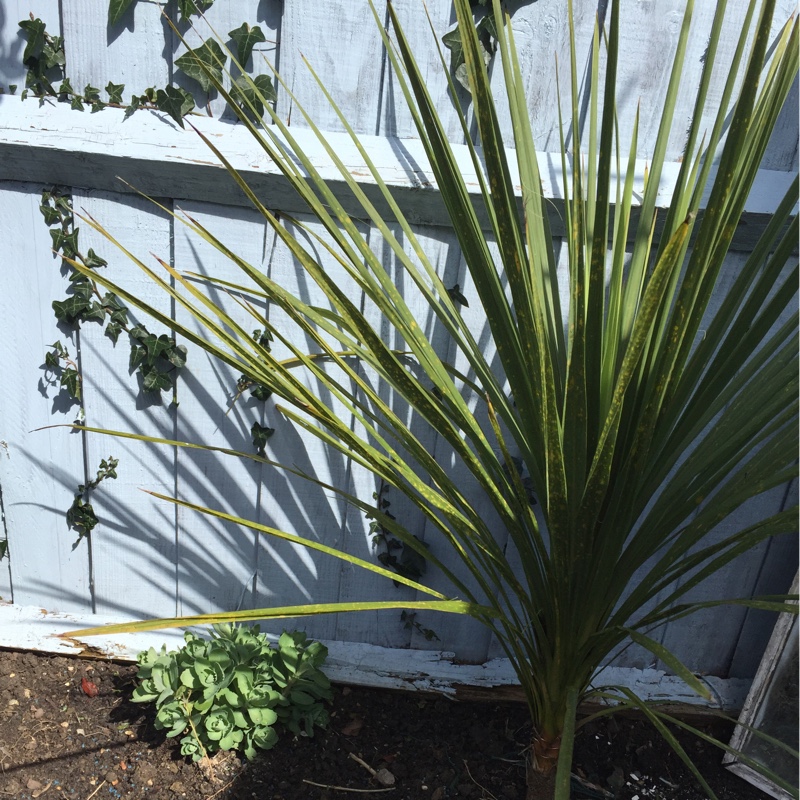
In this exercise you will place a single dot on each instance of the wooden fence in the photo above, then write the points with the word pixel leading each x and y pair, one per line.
pixel 147 558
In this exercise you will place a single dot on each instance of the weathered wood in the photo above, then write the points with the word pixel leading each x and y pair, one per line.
pixel 12 42
pixel 218 561
pixel 134 545
pixel 34 628
pixel 341 42
pixel 775 575
pixel 39 470
pixel 47 144
pixel 97 53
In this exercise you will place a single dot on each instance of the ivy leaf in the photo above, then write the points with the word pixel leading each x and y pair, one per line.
pixel 51 359
pixel 91 94
pixel 50 214
pixel 176 355
pixel 175 102
pixel 251 96
pixel 92 260
pixel 157 346
pixel 81 516
pixel 452 41
pixel 69 243
pixel 456 296
pixel 115 91
pixel 118 313
pixel 154 379
pixel 71 381
pixel 69 310
pixel 260 434
pixel 203 64
pixel 246 39
pixel 53 53
pixel 113 330
pixel 132 106
pixel 34 29
pixel 260 392
pixel 487 36
pixel 138 355
pixel 81 287
pixel 76 104
pixel 189 7
pixel 65 89
pixel 116 9
pixel 94 313
pixel 58 237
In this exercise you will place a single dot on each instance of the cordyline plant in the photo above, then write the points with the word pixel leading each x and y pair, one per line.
pixel 637 440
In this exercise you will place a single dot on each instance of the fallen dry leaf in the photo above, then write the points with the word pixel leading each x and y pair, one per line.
pixel 353 727
pixel 40 792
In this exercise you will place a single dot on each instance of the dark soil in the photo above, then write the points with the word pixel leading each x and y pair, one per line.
pixel 58 742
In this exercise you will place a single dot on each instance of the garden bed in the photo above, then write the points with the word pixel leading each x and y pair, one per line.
pixel 57 741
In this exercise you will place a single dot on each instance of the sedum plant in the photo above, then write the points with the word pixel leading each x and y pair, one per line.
pixel 230 692
pixel 636 436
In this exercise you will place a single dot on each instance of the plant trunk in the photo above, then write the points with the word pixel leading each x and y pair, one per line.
pixel 541 777
pixel 540 786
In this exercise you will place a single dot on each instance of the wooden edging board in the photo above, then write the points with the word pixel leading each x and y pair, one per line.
pixel 356 664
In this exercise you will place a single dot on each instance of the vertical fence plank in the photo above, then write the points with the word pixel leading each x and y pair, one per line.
pixel 342 43
pixel 39 470
pixel 386 628
pixel 290 574
pixel 130 52
pixel 218 562
pixel 776 573
pixel 133 547
pixel 12 43
pixel 395 117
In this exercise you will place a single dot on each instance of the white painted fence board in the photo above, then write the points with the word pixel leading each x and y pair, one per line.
pixel 777 569
pixel 12 43
pixel 52 144
pixel 39 470
pixel 387 628
pixel 396 120
pixel 130 52
pixel 218 561
pixel 134 543
pixel 343 45
pixel 287 573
